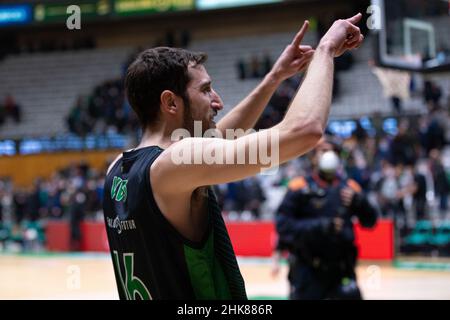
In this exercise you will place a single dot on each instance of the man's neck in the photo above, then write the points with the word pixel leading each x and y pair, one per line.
pixel 159 138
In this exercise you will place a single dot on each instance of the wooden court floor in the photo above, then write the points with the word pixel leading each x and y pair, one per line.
pixel 90 276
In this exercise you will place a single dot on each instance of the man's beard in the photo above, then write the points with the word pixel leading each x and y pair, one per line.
pixel 188 120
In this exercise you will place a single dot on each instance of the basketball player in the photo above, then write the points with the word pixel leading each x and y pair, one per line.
pixel 165 230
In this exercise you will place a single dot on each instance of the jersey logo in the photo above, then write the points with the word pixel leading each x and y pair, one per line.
pixel 132 286
pixel 120 225
pixel 119 189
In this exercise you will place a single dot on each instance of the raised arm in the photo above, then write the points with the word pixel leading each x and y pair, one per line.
pixel 193 162
pixel 294 59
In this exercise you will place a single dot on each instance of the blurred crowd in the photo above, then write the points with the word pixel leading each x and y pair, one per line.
pixel 406 172
pixel 406 175
pixel 106 110
pixel 255 67
pixel 279 102
pixel 74 194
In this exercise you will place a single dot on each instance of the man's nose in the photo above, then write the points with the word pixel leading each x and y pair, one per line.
pixel 217 103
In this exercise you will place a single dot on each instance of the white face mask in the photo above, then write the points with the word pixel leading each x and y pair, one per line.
pixel 329 162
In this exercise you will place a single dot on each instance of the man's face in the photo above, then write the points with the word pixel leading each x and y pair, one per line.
pixel 204 102
pixel 326 164
pixel 322 147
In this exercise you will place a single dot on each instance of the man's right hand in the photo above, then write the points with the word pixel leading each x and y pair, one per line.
pixel 343 35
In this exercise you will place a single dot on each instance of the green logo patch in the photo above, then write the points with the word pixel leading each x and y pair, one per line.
pixel 119 189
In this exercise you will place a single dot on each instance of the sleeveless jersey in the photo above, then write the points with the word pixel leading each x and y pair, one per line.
pixel 151 259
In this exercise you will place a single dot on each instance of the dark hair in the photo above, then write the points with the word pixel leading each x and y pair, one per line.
pixel 154 71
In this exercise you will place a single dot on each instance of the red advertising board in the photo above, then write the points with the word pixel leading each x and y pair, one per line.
pixel 255 239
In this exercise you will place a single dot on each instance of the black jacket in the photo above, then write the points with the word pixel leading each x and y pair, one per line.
pixel 304 221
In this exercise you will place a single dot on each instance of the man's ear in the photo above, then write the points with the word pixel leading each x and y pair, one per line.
pixel 169 102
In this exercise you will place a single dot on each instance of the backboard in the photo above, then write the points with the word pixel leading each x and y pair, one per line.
pixel 413 34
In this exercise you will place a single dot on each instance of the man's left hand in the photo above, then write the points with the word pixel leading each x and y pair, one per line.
pixel 295 58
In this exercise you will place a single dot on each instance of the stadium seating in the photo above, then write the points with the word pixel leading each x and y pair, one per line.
pixel 361 92
pixel 46 85
pixel 224 53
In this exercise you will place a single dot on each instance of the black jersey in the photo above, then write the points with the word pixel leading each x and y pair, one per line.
pixel 151 259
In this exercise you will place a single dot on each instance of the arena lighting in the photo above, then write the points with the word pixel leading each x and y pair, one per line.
pixel 217 4
pixel 345 128
pixel 64 142
pixel 15 14
pixel 7 147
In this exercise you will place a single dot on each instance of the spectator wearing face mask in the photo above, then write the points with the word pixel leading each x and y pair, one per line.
pixel 314 224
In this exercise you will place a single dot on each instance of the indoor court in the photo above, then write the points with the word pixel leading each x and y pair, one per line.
pixel 90 277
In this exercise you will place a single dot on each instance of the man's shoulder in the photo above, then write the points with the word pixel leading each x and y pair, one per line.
pixel 114 163
pixel 297 184
pixel 355 186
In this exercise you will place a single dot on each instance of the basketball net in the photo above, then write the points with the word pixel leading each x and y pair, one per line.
pixel 395 83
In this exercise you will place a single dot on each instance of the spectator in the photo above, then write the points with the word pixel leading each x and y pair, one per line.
pixel 435 133
pixel 12 109
pixel 403 146
pixel 388 188
pixel 2 192
pixel 420 193
pixel 432 94
pixel 79 121
pixel 241 68
pixel 255 67
pixel 267 63
pixel 54 207
pixel 396 103
pixel 76 215
pixel 250 196
pixel 185 38
pixel 36 201
pixel 20 200
pixel 2 114
pixel 314 223
pixel 357 171
pixel 441 183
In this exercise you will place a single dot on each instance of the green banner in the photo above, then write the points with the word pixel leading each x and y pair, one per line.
pixel 58 12
pixel 133 7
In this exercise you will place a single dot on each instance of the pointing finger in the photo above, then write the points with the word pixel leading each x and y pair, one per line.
pixel 299 36
pixel 355 19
